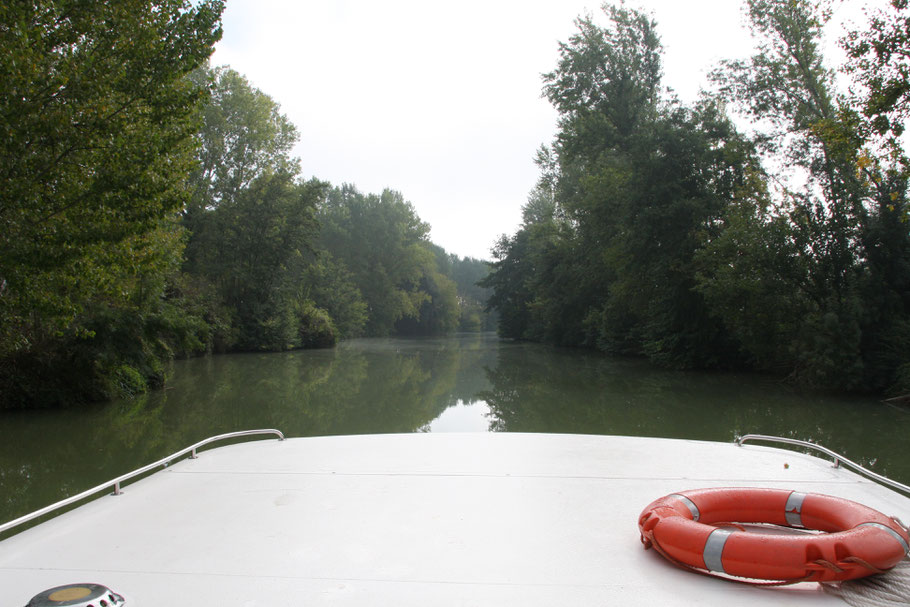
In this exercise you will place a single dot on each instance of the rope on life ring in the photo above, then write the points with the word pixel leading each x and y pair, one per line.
pixel 890 589
pixel 695 530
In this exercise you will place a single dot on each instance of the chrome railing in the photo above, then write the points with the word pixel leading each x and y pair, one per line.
pixel 837 457
pixel 116 482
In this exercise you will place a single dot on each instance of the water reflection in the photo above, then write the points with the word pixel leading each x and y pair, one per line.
pixel 462 417
pixel 362 386
pixel 556 390
pixel 463 383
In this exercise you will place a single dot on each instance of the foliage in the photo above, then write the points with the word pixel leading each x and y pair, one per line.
pixel 330 285
pixel 251 248
pixel 607 79
pixel 655 229
pixel 315 328
pixel 299 264
pixel 251 221
pixel 832 248
pixel 750 277
pixel 244 135
pixel 113 129
pixel 382 243
pixel 881 62
pixel 509 280
pixel 467 273
pixel 439 313
pixel 97 116
pixel 151 208
pixel 630 188
pixel 123 339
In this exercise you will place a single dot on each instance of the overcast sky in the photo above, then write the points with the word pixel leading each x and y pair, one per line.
pixel 441 100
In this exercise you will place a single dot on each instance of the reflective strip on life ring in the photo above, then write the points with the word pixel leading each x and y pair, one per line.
pixel 696 529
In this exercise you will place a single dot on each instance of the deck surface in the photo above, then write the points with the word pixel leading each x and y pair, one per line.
pixel 418 519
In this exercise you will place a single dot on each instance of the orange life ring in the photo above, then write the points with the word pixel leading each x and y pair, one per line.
pixel 693 528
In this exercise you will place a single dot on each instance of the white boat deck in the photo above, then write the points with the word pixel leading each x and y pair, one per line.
pixel 418 519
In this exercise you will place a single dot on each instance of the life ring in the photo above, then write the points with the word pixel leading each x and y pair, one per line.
pixel 695 529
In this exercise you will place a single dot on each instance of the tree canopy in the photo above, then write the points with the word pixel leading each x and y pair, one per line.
pixel 631 186
pixel 152 208
pixel 383 244
pixel 661 230
pixel 98 116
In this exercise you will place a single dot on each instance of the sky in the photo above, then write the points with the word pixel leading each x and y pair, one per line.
pixel 442 100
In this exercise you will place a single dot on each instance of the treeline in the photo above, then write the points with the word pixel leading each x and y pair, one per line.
pixel 151 209
pixel 662 230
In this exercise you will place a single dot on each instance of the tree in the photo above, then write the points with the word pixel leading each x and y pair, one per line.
pixel 880 60
pixel 685 170
pixel 838 253
pixel 509 280
pixel 243 135
pixel 251 221
pixel 332 287
pixel 98 115
pixel 550 276
pixel 607 78
pixel 382 242
pixel 467 273
pixel 631 187
pixel 753 278
pixel 258 247
pixel 439 313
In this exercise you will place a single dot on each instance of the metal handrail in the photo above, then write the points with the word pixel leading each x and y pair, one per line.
pixel 115 483
pixel 838 458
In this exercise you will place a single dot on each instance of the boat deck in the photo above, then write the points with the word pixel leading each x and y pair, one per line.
pixel 418 519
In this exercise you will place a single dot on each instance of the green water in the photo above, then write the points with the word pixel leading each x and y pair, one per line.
pixel 464 383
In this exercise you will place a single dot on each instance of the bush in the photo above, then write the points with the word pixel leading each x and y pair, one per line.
pixel 125 380
pixel 315 329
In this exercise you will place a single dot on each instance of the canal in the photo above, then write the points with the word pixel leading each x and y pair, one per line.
pixel 464 383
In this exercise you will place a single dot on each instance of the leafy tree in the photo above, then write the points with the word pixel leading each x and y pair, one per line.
pixel 253 244
pixel 467 273
pixel 331 286
pixel 383 244
pixel 880 61
pixel 605 88
pixel 753 278
pixel 251 222
pixel 831 251
pixel 244 135
pixel 607 79
pixel 98 115
pixel 631 187
pixel 509 280
pixel 439 313
pixel 787 85
pixel 515 277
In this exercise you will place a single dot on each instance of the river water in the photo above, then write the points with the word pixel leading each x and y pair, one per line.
pixel 466 383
